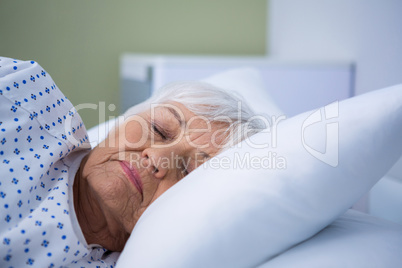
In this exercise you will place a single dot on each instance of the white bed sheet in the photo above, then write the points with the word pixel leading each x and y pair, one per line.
pixel 353 240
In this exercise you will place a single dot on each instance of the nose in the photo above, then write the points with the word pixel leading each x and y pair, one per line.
pixel 159 161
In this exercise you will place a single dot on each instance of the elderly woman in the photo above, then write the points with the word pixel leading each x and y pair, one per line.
pixel 62 204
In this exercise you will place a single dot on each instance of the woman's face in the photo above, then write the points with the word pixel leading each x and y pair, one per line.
pixel 145 156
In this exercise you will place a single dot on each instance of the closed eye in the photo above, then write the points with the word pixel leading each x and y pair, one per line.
pixel 158 131
pixel 184 167
pixel 185 172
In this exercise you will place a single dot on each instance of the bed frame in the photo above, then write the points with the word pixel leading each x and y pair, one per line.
pixel 315 83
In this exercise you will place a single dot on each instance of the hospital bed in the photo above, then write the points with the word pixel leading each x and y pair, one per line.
pixel 297 216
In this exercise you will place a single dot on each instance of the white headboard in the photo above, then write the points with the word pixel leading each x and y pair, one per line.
pixel 295 86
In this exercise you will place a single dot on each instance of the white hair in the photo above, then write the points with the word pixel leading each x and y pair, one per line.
pixel 215 104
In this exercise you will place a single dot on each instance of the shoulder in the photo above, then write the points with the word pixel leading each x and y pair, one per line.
pixel 23 82
pixel 28 91
pixel 9 68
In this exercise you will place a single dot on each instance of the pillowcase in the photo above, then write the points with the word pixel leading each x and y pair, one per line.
pixel 99 132
pixel 248 84
pixel 354 240
pixel 249 204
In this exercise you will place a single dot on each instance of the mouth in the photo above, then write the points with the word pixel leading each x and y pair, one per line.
pixel 132 175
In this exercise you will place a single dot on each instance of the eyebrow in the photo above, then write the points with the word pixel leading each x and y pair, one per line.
pixel 176 115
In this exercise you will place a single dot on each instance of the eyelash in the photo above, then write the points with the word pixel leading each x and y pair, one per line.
pixel 185 171
pixel 158 131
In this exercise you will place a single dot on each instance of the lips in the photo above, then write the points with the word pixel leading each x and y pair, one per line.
pixel 132 175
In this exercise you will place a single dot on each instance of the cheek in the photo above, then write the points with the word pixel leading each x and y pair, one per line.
pixel 134 133
pixel 113 193
pixel 109 188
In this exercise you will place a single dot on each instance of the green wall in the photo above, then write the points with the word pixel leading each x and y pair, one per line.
pixel 79 41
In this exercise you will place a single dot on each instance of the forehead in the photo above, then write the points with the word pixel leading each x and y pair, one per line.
pixel 176 109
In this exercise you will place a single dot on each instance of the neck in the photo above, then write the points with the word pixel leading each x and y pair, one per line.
pixel 93 222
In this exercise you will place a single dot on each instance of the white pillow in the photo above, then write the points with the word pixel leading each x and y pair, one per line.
pixel 247 83
pixel 353 240
pixel 241 217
